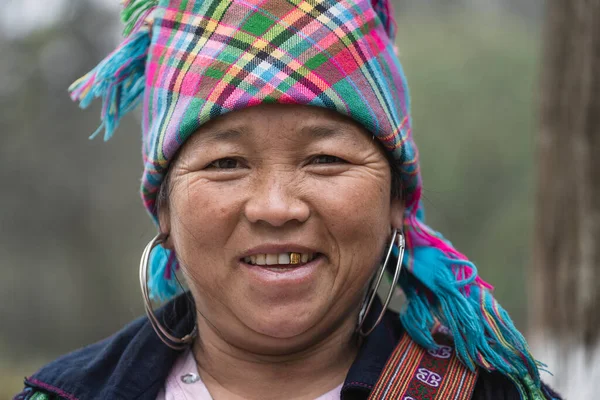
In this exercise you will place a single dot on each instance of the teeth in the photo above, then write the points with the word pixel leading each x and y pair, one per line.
pixel 279 259
pixel 295 258
pixel 272 259
pixel 283 259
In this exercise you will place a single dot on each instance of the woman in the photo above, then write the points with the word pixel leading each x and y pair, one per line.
pixel 280 170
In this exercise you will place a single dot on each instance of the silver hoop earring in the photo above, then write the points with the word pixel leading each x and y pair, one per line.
pixel 397 237
pixel 163 334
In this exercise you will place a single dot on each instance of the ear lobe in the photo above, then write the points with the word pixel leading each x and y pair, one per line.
pixel 397 213
pixel 168 243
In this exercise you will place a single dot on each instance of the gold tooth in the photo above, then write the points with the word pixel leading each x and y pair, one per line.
pixel 294 258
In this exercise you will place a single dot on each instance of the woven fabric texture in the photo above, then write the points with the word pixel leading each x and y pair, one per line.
pixel 212 57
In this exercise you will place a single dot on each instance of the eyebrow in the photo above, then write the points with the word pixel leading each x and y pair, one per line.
pixel 221 135
pixel 326 131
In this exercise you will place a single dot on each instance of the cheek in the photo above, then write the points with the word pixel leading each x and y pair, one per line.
pixel 202 219
pixel 354 206
pixel 356 213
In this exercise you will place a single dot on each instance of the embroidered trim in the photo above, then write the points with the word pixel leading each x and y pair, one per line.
pixel 413 372
pixel 49 388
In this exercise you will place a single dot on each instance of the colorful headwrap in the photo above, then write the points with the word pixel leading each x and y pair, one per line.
pixel 194 60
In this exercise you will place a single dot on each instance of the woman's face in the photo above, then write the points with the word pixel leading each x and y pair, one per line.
pixel 256 185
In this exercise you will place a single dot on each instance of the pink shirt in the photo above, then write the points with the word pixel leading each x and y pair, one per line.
pixel 184 383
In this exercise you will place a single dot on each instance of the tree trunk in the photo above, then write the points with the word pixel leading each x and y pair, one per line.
pixel 565 301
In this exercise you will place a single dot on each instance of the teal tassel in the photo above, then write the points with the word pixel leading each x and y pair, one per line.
pixel 482 331
pixel 499 325
pixel 119 80
pixel 416 317
pixel 162 283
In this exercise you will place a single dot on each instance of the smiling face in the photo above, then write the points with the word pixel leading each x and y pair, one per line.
pixel 274 185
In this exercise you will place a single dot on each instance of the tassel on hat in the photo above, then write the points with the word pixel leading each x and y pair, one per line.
pixel 119 80
pixel 442 285
pixel 163 284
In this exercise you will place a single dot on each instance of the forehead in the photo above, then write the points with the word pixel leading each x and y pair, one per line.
pixel 281 121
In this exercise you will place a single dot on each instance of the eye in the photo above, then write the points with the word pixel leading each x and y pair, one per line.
pixel 225 163
pixel 326 159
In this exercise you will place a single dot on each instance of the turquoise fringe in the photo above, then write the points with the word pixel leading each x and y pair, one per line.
pixel 162 284
pixel 483 333
pixel 119 80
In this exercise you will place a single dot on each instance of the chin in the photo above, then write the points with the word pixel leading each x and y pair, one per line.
pixel 286 321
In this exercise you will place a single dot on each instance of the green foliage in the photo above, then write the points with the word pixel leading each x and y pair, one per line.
pixel 473 85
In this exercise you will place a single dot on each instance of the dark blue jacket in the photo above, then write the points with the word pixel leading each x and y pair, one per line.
pixel 134 363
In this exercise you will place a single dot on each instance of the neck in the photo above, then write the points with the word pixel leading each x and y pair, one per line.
pixel 231 372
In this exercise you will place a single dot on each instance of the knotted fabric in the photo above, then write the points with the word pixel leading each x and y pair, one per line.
pixel 208 58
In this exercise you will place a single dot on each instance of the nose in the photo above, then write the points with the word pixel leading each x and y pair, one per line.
pixel 276 201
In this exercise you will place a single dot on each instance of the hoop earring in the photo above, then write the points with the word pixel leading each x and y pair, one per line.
pixel 163 334
pixel 399 237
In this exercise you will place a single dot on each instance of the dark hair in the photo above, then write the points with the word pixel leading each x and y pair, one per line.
pixel 162 198
pixel 396 184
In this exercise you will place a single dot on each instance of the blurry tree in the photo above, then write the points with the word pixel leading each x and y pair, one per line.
pixel 565 321
pixel 526 9
pixel 58 280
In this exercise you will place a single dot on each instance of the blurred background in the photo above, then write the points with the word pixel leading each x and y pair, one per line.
pixel 72 226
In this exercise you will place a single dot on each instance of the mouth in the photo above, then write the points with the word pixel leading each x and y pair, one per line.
pixel 288 267
pixel 280 262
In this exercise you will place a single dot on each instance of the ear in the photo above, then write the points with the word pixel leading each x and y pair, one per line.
pixel 164 226
pixel 397 213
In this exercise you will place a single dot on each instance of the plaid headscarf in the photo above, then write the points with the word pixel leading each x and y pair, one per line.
pixel 194 60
